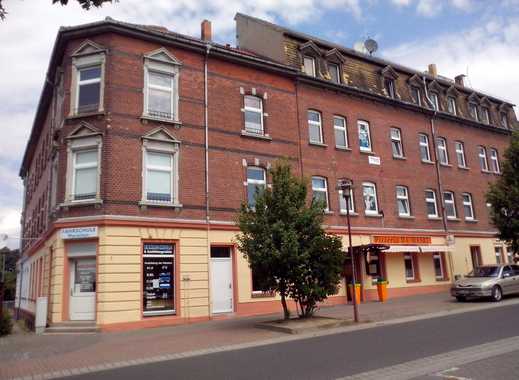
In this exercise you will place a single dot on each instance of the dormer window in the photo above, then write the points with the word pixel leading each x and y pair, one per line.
pixel 309 65
pixel 485 115
pixel 161 71
pixel 473 110
pixel 334 71
pixel 389 85
pixel 416 95
pixel 433 96
pixel 451 105
pixel 504 120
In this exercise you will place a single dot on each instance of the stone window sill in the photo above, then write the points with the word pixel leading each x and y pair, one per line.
pixel 88 202
pixel 453 219
pixel 146 118
pixel 428 162
pixel 471 220
pixel 434 218
pixel 368 152
pixel 328 212
pixel 463 168
pixel 252 135
pixel 414 281
pixel 145 204
pixel 318 144
pixel 261 294
pixel 399 158
pixel 343 148
pixel 406 217
pixel 352 213
pixel 373 215
pixel 85 114
pixel 446 165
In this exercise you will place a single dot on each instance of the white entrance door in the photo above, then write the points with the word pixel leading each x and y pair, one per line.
pixel 221 280
pixel 82 289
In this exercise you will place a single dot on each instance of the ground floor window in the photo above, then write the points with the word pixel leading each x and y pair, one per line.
pixel 475 256
pixel 411 267
pixel 439 266
pixel 158 279
pixel 500 259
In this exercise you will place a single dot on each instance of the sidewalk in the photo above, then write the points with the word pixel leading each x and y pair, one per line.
pixel 30 355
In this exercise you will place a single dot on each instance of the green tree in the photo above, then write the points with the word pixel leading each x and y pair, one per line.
pixel 85 4
pixel 503 197
pixel 286 247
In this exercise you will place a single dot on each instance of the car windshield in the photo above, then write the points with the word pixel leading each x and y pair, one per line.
pixel 484 272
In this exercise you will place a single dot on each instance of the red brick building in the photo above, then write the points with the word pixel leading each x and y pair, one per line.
pixel 146 142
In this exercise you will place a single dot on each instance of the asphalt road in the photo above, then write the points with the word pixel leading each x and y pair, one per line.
pixel 334 356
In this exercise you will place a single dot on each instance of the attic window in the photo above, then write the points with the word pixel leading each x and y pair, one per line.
pixel 485 115
pixel 473 110
pixel 416 95
pixel 434 100
pixel 309 65
pixel 389 85
pixel 334 71
pixel 451 104
pixel 504 120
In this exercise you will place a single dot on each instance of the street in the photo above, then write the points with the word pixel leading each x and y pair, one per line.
pixel 353 353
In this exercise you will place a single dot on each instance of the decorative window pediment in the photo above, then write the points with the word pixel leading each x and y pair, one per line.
pixel 310 48
pixel 415 80
pixel 452 91
pixel 503 107
pixel 335 55
pixel 162 135
pixel 84 130
pixel 389 72
pixel 485 102
pixel 435 86
pixel 474 98
pixel 88 47
pixel 164 56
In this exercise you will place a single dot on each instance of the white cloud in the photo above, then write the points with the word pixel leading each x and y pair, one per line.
pixel 429 8
pixel 465 5
pixel 490 53
pixel 401 3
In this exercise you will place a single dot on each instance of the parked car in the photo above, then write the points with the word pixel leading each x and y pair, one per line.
pixel 492 281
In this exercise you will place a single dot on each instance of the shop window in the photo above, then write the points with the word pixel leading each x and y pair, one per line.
pixel 320 191
pixel 500 259
pixel 411 267
pixel 475 256
pixel 510 255
pixel 256 183
pixel 364 136
pixel 439 266
pixel 425 154
pixel 159 281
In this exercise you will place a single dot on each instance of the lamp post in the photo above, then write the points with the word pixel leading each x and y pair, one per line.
pixel 345 185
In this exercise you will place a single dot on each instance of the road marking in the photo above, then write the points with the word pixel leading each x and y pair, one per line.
pixel 436 363
pixel 443 374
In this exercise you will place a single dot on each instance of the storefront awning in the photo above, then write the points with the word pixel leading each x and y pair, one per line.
pixel 418 248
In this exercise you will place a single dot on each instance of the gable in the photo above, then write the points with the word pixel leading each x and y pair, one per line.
pixel 88 47
pixel 389 72
pixel 311 48
pixel 164 56
pixel 84 130
pixel 161 134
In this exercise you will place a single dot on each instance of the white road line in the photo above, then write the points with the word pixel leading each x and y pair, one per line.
pixel 444 374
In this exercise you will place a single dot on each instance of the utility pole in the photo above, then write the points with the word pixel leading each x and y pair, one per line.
pixel 345 185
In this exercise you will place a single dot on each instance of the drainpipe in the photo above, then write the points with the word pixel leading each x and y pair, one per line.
pixel 206 129
pixel 438 174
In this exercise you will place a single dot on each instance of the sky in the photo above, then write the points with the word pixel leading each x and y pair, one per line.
pixel 479 38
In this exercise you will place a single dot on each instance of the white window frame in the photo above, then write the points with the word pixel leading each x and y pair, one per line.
pixel 160 142
pixel 473 111
pixel 82 62
pixel 500 257
pixel 342 203
pixel 503 119
pixel 435 100
pixel 482 155
pixel 438 256
pixel 396 140
pixel 452 201
pixel 494 159
pixel 336 68
pixel 460 154
pixel 306 59
pixel 166 169
pixel 318 124
pixel 162 62
pixel 424 144
pixel 418 99
pixel 390 88
pixel 467 202
pixel 360 125
pixel 374 187
pixel 485 115
pixel 169 89
pixel 451 105
pixel 256 182
pixel 259 111
pixel 403 198
pixel 340 129
pixel 431 201
pixel 87 82
pixel 442 147
pixel 76 167
pixel 321 189
pixel 409 257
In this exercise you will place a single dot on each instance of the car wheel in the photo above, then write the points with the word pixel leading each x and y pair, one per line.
pixel 497 294
pixel 460 299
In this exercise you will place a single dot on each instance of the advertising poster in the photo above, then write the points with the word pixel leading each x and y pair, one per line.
pixel 159 281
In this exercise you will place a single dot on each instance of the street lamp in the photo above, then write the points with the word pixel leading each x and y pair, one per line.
pixel 345 185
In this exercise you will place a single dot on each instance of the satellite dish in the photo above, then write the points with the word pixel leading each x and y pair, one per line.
pixel 371 45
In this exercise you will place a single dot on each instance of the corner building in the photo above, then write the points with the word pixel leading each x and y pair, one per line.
pixel 146 142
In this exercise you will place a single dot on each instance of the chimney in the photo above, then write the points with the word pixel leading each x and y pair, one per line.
pixel 459 80
pixel 433 70
pixel 206 33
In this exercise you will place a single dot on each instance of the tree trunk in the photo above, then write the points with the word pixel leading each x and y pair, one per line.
pixel 286 312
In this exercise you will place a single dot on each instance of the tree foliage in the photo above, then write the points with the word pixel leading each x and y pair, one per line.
pixel 286 247
pixel 85 4
pixel 503 197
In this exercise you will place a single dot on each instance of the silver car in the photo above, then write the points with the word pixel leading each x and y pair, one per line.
pixel 488 281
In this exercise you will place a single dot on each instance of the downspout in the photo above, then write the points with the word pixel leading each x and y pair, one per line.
pixel 438 174
pixel 206 129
